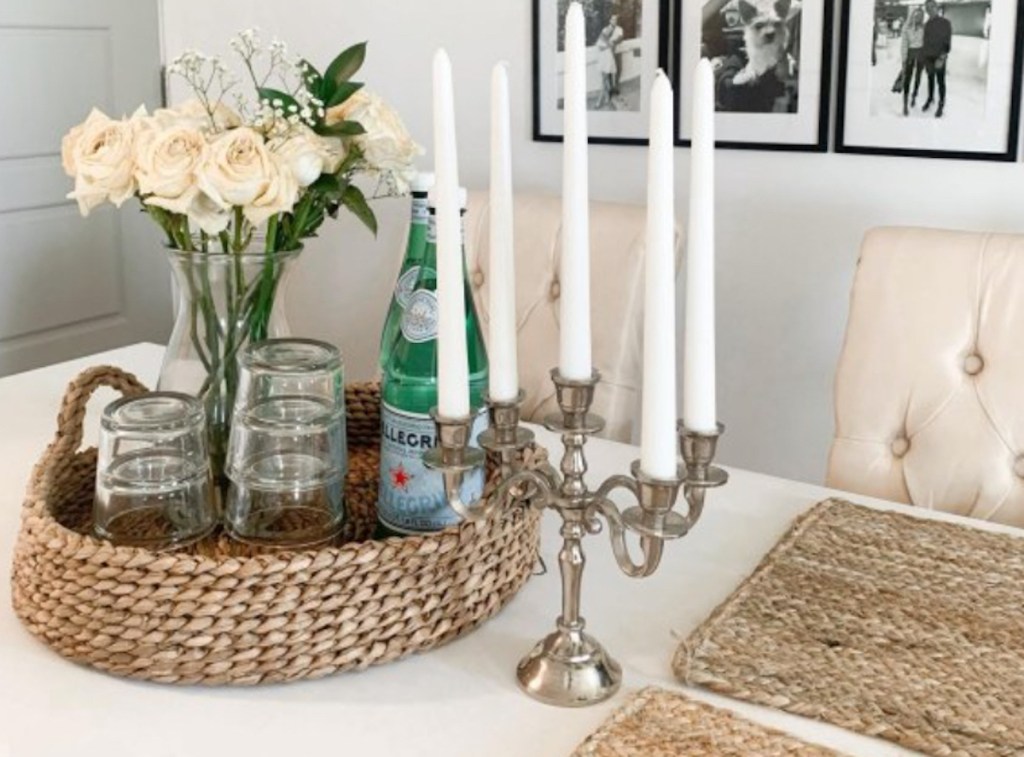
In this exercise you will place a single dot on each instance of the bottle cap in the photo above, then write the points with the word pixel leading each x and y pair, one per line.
pixel 432 198
pixel 421 182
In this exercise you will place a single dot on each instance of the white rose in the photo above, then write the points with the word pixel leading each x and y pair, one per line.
pixel 308 155
pixel 193 113
pixel 238 168
pixel 208 215
pixel 99 155
pixel 386 145
pixel 279 195
pixel 68 145
pixel 167 162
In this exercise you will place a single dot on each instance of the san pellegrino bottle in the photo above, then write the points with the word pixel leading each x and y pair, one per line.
pixel 410 270
pixel 411 498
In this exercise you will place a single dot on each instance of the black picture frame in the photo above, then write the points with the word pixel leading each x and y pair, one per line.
pixel 820 143
pixel 664 41
pixel 1008 155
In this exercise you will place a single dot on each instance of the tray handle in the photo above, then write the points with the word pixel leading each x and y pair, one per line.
pixel 71 418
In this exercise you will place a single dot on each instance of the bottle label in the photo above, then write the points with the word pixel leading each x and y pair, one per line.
pixel 420 210
pixel 406 283
pixel 419 319
pixel 411 497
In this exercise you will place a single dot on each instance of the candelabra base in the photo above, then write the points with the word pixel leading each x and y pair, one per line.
pixel 569 668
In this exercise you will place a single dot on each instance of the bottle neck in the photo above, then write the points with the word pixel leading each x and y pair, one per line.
pixel 432 233
pixel 420 209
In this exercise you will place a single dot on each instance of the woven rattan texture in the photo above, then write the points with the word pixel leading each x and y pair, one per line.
pixel 223 613
pixel 908 629
pixel 659 723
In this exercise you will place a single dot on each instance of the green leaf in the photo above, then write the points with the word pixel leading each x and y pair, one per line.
pixel 313 80
pixel 346 64
pixel 327 184
pixel 341 129
pixel 286 100
pixel 353 199
pixel 352 159
pixel 344 91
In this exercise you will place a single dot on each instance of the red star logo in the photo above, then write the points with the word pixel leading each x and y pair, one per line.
pixel 400 477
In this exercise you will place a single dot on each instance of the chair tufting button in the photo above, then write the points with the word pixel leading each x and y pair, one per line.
pixel 1018 466
pixel 555 291
pixel 973 364
pixel 900 445
pixel 478 278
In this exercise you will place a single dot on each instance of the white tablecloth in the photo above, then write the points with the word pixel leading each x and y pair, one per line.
pixel 458 700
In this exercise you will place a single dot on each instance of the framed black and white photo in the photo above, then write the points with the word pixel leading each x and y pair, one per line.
pixel 627 41
pixel 772 68
pixel 930 79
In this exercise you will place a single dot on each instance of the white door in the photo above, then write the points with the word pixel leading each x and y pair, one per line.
pixel 70 286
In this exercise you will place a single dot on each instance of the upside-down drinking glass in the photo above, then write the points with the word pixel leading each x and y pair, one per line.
pixel 153 485
pixel 287 454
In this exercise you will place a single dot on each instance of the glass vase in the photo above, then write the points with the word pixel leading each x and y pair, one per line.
pixel 225 301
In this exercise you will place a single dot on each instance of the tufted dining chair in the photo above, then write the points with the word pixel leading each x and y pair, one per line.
pixel 617 252
pixel 929 390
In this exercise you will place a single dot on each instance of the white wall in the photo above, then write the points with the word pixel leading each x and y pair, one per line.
pixel 788 224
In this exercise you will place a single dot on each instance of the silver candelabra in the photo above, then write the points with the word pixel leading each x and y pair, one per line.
pixel 569 667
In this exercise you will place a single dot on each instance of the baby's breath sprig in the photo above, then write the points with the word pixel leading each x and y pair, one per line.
pixel 207 77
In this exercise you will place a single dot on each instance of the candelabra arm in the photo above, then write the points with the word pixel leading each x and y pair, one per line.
pixel 504 440
pixel 695 505
pixel 650 547
pixel 534 487
pixel 698 448
pixel 453 458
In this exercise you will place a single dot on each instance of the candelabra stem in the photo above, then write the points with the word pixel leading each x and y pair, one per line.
pixel 568 667
pixel 574 467
pixel 571 562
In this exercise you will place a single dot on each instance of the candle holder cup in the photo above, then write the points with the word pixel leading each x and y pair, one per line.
pixel 569 667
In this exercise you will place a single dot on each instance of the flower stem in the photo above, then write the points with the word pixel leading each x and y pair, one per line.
pixel 261 316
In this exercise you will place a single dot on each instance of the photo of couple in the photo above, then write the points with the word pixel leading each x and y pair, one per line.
pixel 613 53
pixel 923 52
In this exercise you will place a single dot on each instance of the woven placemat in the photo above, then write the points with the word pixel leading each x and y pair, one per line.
pixel 908 629
pixel 659 723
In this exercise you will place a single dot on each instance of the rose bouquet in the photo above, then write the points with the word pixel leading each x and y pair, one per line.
pixel 236 183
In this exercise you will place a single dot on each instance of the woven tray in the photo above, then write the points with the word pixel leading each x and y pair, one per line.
pixel 907 629
pixel 659 723
pixel 225 613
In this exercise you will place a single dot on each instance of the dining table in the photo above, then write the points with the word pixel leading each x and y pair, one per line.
pixel 459 699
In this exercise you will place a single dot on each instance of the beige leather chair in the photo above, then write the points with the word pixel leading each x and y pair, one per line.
pixel 617 251
pixel 930 384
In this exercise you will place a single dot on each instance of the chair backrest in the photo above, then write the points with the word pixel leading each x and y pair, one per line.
pixel 617 252
pixel 930 386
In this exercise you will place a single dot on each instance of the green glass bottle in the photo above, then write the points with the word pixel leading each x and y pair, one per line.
pixel 410 270
pixel 411 498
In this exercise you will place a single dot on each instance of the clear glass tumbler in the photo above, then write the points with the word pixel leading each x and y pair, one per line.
pixel 287 454
pixel 290 368
pixel 153 485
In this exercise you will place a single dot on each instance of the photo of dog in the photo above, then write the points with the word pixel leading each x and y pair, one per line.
pixel 754 47
pixel 765 39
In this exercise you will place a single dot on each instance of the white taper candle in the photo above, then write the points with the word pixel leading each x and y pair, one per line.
pixel 699 411
pixel 452 360
pixel 503 380
pixel 574 353
pixel 659 440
